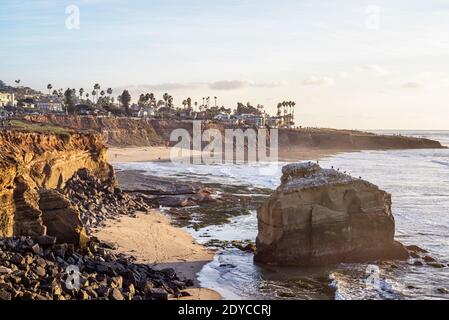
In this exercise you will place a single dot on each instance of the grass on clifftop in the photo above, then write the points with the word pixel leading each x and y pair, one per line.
pixel 63 133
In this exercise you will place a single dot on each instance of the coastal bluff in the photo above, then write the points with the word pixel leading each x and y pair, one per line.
pixel 32 166
pixel 322 216
pixel 137 132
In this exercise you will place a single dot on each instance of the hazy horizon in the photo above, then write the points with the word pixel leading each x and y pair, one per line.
pixel 366 65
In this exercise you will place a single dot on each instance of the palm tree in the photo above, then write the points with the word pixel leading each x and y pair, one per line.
pixel 165 97
pixel 49 87
pixel 109 91
pixel 152 100
pixel 97 88
pixel 94 93
pixel 81 91
pixel 203 101
pixel 279 106
pixel 284 104
pixel 87 96
pixel 17 82
pixel 102 93
pixel 215 98
pixel 196 104
pixel 189 102
pixel 293 111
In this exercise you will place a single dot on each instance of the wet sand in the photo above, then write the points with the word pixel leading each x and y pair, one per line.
pixel 153 240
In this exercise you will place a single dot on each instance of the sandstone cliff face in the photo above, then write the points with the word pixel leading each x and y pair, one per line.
pixel 119 132
pixel 33 163
pixel 350 140
pixel 139 132
pixel 320 216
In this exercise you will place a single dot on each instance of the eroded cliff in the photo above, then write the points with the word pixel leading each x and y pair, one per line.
pixel 31 165
pixel 122 132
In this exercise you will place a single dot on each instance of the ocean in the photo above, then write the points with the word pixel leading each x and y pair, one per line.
pixel 419 183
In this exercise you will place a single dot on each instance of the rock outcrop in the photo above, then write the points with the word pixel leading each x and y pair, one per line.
pixel 321 216
pixel 32 164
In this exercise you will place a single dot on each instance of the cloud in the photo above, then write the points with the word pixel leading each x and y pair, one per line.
pixel 412 85
pixel 376 69
pixel 217 85
pixel 318 81
pixel 168 86
pixel 229 85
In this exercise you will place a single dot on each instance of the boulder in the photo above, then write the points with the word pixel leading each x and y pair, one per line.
pixel 322 216
pixel 61 219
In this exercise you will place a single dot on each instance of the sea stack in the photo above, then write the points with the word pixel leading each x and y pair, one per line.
pixel 322 216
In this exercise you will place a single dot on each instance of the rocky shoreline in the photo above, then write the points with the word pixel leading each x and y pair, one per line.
pixel 40 269
pixel 55 192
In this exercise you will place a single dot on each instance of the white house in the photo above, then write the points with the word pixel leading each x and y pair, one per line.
pixel 51 104
pixel 7 99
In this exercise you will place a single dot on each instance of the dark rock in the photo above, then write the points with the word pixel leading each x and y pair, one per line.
pixel 5 295
pixel 158 294
pixel 436 265
pixel 46 241
pixel 429 259
pixel 417 249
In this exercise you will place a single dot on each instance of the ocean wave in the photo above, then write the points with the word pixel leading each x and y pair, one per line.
pixel 443 163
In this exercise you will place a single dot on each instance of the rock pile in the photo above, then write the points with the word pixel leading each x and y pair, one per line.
pixel 97 201
pixel 39 269
pixel 321 216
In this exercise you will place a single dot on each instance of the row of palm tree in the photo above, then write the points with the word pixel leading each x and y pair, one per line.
pixel 96 92
pixel 287 108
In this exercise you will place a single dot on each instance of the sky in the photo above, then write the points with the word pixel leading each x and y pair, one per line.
pixel 347 64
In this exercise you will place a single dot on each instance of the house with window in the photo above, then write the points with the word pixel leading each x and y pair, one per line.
pixel 7 99
pixel 143 112
pixel 49 104
pixel 251 119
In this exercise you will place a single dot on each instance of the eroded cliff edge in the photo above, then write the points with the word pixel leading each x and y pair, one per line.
pixel 124 132
pixel 32 166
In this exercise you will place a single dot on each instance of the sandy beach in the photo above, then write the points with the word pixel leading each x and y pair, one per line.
pixel 151 239
pixel 142 154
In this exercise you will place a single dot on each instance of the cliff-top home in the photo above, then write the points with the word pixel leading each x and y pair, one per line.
pixel 7 99
pixel 49 104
